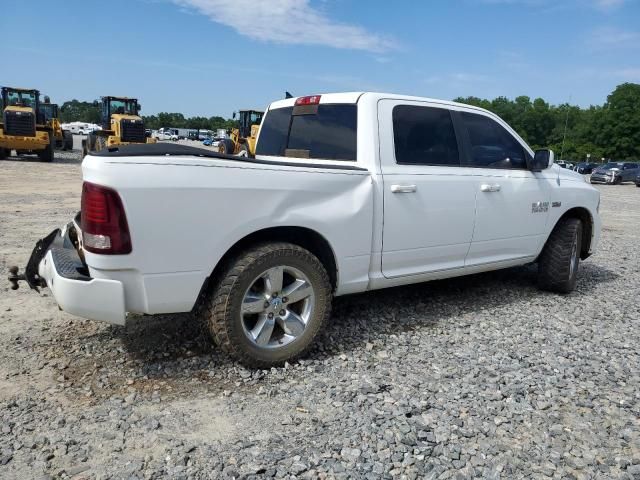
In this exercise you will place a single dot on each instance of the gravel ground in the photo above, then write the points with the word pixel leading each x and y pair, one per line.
pixel 482 376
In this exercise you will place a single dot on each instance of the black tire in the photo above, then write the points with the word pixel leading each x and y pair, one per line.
pixel 46 155
pixel 67 140
pixel 226 147
pixel 101 143
pixel 638 185
pixel 221 306
pixel 4 153
pixel 558 264
pixel 243 151
pixel 618 181
pixel 91 142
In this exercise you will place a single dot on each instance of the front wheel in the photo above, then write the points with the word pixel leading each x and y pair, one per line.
pixel 47 154
pixel 560 258
pixel 4 153
pixel 269 305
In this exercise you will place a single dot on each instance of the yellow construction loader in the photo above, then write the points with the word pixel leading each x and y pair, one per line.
pixel 242 139
pixel 121 125
pixel 23 128
pixel 63 138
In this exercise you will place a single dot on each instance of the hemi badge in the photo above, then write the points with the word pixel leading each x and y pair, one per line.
pixel 556 204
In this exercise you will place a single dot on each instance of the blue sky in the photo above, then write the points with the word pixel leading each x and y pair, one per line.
pixel 210 57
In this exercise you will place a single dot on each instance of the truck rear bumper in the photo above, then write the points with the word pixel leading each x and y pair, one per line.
pixel 67 276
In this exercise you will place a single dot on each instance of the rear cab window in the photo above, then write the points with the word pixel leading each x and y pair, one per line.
pixel 320 132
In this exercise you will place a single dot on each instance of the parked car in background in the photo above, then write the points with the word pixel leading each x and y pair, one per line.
pixel 637 180
pixel 165 135
pixel 565 164
pixel 80 128
pixel 585 168
pixel 615 173
pixel 404 190
pixel 211 142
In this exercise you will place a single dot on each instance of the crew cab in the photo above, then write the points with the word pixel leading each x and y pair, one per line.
pixel 348 192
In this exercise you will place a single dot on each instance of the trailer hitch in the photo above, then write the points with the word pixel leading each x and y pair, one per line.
pixel 14 277
pixel 34 281
pixel 30 274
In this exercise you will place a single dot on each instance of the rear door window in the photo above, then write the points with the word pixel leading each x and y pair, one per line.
pixel 424 136
pixel 328 132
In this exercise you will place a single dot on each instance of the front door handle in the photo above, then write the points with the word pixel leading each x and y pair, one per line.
pixel 403 188
pixel 490 188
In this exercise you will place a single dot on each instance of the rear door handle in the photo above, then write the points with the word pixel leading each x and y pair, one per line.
pixel 403 188
pixel 489 188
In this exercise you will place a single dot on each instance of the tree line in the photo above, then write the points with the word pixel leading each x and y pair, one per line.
pixel 610 131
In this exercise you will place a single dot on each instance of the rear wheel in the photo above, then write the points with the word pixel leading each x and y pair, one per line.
pixel 269 305
pixel 91 142
pixel 244 150
pixel 558 264
pixel 225 147
pixel 617 181
pixel 100 143
pixel 4 153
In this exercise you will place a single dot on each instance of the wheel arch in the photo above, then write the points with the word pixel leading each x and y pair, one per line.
pixel 304 237
pixel 584 215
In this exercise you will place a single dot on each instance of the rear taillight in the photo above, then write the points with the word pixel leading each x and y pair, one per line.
pixel 312 100
pixel 103 221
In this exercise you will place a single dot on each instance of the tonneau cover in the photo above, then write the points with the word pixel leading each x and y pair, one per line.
pixel 172 149
pixel 159 149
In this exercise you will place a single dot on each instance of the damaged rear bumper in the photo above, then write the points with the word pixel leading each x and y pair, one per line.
pixel 56 264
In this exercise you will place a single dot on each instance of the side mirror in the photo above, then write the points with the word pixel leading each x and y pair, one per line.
pixel 543 159
pixel 234 115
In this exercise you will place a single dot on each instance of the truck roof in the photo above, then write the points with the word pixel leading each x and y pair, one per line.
pixel 355 97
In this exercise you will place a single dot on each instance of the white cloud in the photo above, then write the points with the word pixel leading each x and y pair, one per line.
pixel 606 38
pixel 294 22
pixel 457 78
pixel 628 74
pixel 608 4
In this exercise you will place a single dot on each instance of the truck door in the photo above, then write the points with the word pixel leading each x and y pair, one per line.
pixel 513 203
pixel 429 199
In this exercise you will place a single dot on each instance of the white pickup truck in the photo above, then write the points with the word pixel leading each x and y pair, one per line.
pixel 348 192
pixel 165 134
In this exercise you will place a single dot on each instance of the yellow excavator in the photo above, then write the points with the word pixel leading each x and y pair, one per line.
pixel 121 125
pixel 23 127
pixel 63 138
pixel 242 139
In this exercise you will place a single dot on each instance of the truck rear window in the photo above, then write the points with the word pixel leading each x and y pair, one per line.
pixel 327 134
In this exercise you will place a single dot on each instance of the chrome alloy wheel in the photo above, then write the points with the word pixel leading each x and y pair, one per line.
pixel 277 307
pixel 574 257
